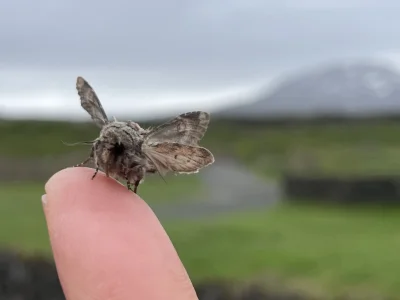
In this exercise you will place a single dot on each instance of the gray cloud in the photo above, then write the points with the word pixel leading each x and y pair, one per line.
pixel 162 46
pixel 182 36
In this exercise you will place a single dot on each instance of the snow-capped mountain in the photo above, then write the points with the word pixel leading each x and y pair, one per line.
pixel 341 89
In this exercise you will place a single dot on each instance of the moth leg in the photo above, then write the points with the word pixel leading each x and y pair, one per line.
pixel 134 175
pixel 87 159
pixel 128 183
pixel 129 186
pixel 83 163
pixel 136 186
pixel 95 173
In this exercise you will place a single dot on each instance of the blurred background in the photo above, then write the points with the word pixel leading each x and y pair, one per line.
pixel 303 199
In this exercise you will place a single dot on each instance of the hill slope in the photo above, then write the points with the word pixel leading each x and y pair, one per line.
pixel 343 89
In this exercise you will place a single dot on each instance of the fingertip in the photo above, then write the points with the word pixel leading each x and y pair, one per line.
pixel 79 180
pixel 107 241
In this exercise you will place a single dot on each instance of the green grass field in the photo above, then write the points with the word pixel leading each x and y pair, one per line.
pixel 241 139
pixel 21 218
pixel 321 250
pixel 371 147
pixel 318 250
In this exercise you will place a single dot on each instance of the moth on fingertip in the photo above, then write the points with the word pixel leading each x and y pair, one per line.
pixel 126 151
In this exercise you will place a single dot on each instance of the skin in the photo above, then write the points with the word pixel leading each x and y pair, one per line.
pixel 108 243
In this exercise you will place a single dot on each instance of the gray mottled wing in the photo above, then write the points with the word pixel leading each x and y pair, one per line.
pixel 188 129
pixel 90 102
pixel 177 158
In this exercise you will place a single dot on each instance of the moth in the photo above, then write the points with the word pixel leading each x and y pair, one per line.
pixel 126 151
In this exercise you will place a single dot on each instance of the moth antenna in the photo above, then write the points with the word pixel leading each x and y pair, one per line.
pixel 162 177
pixel 78 143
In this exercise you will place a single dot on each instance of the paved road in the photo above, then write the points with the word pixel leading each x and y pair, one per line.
pixel 230 187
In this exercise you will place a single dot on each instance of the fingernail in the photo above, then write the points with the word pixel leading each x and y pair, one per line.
pixel 44 199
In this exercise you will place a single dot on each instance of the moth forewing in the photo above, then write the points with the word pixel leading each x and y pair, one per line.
pixel 90 102
pixel 188 128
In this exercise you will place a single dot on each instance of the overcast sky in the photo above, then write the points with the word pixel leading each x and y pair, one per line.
pixel 173 55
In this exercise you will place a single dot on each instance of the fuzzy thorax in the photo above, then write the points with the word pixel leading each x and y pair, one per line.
pixel 118 151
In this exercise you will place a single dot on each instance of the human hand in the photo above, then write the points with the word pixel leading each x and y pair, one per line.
pixel 107 242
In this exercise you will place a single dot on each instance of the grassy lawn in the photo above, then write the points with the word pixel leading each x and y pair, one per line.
pixel 22 220
pixel 153 190
pixel 320 250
